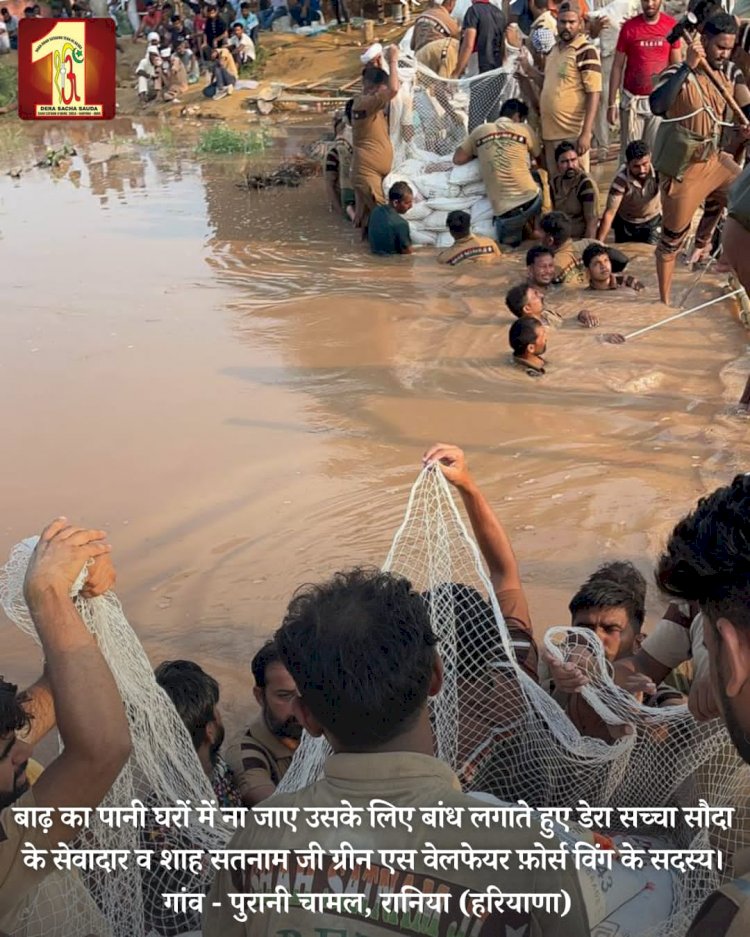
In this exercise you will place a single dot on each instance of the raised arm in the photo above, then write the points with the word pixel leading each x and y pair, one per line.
pixel 90 712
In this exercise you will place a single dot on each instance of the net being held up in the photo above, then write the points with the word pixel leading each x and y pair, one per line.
pixel 504 734
pixel 429 120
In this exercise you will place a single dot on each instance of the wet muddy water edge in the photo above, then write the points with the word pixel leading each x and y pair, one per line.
pixel 230 385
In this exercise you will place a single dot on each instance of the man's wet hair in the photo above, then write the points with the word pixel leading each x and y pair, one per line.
pixel 267 655
pixel 720 24
pixel 515 298
pixel 398 190
pixel 564 147
pixel 707 556
pixel 459 223
pixel 361 650
pixel 372 75
pixel 637 149
pixel 514 108
pixel 625 576
pixel 13 716
pixel 556 224
pixel 537 250
pixel 592 252
pixel 608 593
pixel 193 692
pixel 523 333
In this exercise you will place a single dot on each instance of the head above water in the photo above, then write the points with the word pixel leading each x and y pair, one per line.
pixel 401 197
pixel 514 109
pixel 719 38
pixel 612 603
pixel 527 338
pixel 524 299
pixel 556 229
pixel 540 266
pixel 14 754
pixel 364 657
pixel 597 261
pixel 195 696
pixel 707 560
pixel 459 224
pixel 638 158
pixel 275 692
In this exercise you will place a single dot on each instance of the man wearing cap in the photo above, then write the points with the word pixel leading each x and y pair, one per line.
pixel 373 56
pixel 373 153
pixel 435 38
pixel 149 74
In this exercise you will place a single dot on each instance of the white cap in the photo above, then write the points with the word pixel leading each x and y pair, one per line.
pixel 372 53
pixel 166 53
pixel 152 50
pixel 152 38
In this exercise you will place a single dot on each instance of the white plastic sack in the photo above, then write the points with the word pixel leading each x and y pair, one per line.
pixel 421 237
pixel 481 210
pixel 418 212
pixel 435 221
pixel 469 172
pixel 474 189
pixel 436 185
pixel 485 228
pixel 452 204
pixel 402 177
pixel 444 240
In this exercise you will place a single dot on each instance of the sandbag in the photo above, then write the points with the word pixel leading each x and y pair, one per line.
pixel 435 221
pixel 436 185
pixel 418 212
pixel 452 204
pixel 474 189
pixel 484 228
pixel 444 240
pixel 469 172
pixel 422 238
pixel 481 210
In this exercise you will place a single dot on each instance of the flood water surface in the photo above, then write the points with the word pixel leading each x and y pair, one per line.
pixel 240 395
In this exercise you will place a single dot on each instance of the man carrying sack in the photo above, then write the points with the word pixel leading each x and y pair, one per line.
pixel 692 98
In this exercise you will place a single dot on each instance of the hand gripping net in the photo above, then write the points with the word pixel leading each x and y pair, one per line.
pixel 429 119
pixel 504 735
pixel 163 769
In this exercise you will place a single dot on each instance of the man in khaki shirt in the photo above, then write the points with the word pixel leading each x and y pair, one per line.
pixel 505 150
pixel 571 90
pixel 77 683
pixel 467 246
pixel 435 38
pixel 363 656
pixel 261 755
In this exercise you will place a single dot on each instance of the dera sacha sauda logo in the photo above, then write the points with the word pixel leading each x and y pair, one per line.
pixel 66 69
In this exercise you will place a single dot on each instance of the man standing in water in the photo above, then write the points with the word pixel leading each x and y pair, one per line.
pixel 373 153
pixel 686 154
pixel 528 340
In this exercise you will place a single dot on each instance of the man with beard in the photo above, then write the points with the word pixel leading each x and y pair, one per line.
pixel 261 756
pixel 195 695
pixel 77 683
pixel 571 90
pixel 707 560
pixel 574 192
pixel 691 169
pixel 642 52
pixel 634 202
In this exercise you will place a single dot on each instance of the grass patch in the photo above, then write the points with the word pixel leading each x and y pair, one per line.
pixel 8 84
pixel 164 137
pixel 225 140
pixel 254 70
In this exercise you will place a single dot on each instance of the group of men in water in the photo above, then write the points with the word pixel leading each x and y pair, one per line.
pixel 356 660
pixel 683 115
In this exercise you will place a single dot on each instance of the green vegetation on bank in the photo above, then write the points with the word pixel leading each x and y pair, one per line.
pixel 226 140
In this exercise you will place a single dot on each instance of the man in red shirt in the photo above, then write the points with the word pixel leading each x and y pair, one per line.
pixel 642 52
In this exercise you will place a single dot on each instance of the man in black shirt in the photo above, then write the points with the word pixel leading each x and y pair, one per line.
pixel 387 231
pixel 215 28
pixel 483 33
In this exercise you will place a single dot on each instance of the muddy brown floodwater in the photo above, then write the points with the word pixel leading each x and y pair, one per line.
pixel 240 395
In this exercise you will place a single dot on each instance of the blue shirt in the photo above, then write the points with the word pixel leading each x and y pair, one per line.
pixel 248 22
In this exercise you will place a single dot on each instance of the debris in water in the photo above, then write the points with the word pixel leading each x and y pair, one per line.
pixel 292 173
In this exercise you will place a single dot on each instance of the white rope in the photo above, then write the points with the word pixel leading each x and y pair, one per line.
pixel 687 312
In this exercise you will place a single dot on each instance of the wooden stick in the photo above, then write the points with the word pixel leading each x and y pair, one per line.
pixel 727 95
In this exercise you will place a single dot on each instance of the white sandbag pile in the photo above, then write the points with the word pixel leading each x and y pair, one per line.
pixel 439 189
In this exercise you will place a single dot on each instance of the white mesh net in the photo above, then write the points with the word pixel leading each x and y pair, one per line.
pixel 505 735
pixel 163 769
pixel 429 120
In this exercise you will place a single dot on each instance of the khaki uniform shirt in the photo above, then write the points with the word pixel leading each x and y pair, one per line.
pixel 503 149
pixel 404 779
pixel 434 24
pixel 569 269
pixel 258 758
pixel 373 152
pixel 578 198
pixel 726 913
pixel 633 201
pixel 473 248
pixel 697 92
pixel 570 73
